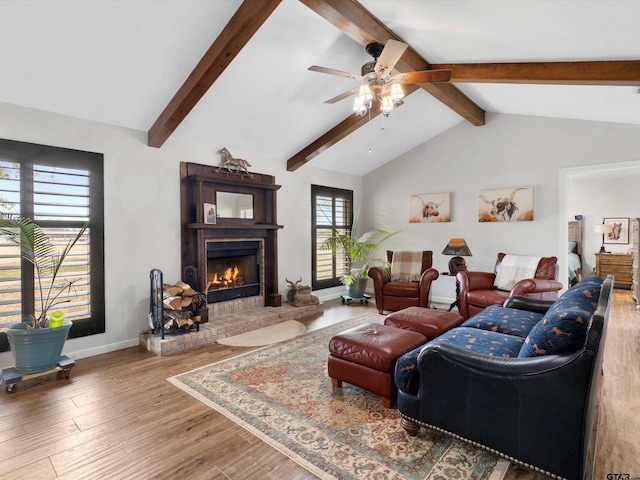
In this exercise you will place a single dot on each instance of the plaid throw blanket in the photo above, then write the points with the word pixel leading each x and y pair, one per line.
pixel 515 268
pixel 406 266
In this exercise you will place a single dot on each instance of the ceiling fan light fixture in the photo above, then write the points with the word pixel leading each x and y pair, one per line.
pixel 364 94
pixel 386 105
pixel 359 107
pixel 396 93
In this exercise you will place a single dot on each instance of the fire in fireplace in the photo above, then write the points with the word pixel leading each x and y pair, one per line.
pixel 233 270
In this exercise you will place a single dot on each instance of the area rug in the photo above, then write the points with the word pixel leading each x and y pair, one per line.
pixel 282 394
pixel 265 336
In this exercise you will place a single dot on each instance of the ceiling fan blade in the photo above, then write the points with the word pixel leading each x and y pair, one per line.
pixel 342 96
pixel 339 73
pixel 390 55
pixel 425 76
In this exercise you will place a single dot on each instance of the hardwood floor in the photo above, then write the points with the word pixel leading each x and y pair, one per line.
pixel 117 417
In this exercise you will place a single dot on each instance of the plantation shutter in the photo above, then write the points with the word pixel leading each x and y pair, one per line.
pixel 331 207
pixel 61 190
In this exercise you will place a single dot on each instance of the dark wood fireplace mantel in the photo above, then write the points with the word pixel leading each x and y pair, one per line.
pixel 199 185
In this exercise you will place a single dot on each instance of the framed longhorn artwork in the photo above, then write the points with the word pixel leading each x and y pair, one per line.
pixel 506 205
pixel 430 208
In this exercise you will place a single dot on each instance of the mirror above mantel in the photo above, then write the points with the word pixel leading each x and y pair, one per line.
pixel 234 205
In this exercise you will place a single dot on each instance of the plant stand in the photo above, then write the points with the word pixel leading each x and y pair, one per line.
pixel 347 299
pixel 11 377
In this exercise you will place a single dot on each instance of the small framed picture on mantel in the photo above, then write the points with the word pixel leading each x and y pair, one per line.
pixel 210 214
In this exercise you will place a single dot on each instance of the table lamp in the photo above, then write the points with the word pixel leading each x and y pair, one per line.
pixel 459 248
pixel 603 229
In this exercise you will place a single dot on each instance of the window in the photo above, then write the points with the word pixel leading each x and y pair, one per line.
pixel 330 207
pixel 61 190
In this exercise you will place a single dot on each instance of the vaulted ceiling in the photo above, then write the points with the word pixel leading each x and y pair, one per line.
pixel 234 74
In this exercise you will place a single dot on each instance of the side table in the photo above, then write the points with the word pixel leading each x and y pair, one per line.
pixel 442 290
pixel 456 303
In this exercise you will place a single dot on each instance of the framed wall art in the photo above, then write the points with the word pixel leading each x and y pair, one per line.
pixel 210 215
pixel 430 208
pixel 506 205
pixel 620 230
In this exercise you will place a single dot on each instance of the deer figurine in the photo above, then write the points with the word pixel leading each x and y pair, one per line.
pixel 298 299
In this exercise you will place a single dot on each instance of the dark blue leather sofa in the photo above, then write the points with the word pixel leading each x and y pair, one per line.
pixel 520 380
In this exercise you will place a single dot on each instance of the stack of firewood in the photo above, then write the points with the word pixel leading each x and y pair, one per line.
pixel 178 296
pixel 183 306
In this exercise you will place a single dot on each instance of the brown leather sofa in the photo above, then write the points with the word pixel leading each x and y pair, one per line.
pixel 477 292
pixel 394 296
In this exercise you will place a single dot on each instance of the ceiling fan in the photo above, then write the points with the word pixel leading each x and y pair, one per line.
pixel 377 81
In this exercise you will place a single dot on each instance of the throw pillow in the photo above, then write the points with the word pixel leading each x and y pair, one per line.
pixel 564 326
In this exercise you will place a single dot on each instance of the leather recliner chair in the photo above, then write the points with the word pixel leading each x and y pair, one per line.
pixel 393 296
pixel 477 290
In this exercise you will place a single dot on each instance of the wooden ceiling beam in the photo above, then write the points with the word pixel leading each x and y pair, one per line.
pixel 359 24
pixel 243 25
pixel 608 72
pixel 337 133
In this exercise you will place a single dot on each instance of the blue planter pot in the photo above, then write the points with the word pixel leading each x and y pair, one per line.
pixel 357 288
pixel 36 350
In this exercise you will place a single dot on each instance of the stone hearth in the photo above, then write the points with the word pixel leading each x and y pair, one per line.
pixel 225 325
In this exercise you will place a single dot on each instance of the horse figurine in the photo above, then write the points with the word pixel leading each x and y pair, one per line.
pixel 236 165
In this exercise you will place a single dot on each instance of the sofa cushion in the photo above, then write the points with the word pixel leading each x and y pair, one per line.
pixel 564 327
pixel 505 320
pixel 401 289
pixel 485 342
pixel 482 341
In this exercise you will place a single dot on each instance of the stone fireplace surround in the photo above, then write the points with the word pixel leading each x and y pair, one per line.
pixel 198 185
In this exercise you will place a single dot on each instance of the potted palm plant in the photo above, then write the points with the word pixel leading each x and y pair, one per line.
pixel 359 251
pixel 35 345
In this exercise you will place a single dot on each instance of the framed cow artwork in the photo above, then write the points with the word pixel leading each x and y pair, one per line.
pixel 620 230
pixel 506 205
pixel 430 208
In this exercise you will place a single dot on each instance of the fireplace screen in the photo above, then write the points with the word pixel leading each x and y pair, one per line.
pixel 233 270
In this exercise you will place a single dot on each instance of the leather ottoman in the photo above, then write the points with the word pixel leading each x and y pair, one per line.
pixel 366 356
pixel 427 321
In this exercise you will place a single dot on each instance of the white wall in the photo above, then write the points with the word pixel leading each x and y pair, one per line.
pixel 509 151
pixel 142 216
pixel 142 220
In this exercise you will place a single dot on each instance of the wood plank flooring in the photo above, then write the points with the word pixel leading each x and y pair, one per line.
pixel 118 418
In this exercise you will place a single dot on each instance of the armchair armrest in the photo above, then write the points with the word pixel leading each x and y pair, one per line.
pixel 380 276
pixel 535 285
pixel 428 276
pixel 529 304
pixel 468 281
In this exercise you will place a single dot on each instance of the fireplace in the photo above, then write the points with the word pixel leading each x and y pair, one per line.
pixel 244 239
pixel 233 270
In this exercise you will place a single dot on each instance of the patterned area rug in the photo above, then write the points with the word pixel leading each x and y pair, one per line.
pixel 282 394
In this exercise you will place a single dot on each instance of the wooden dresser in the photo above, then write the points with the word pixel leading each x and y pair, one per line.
pixel 616 264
